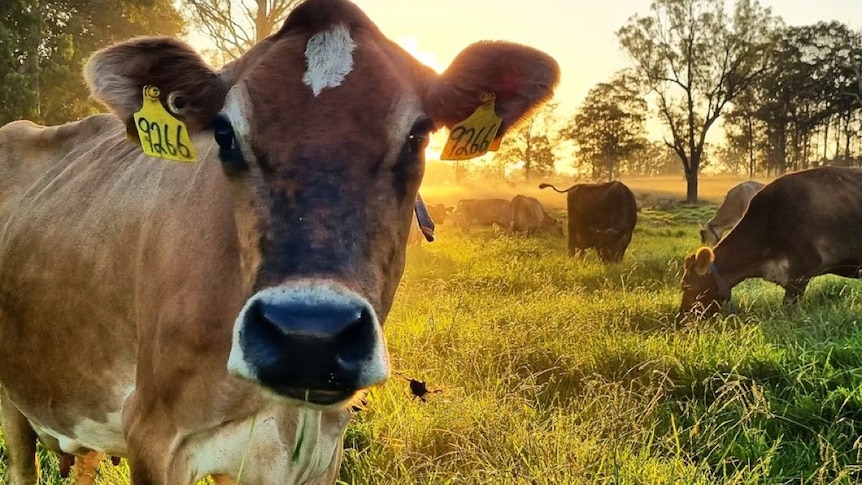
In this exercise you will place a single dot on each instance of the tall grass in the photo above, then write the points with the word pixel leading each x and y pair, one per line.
pixel 552 370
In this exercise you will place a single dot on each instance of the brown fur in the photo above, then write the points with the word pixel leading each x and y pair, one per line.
pixel 730 212
pixel 139 267
pixel 528 216
pixel 801 225
pixel 483 212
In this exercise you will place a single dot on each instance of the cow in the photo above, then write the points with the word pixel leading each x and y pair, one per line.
pixel 528 216
pixel 193 317
pixel 440 212
pixel 483 212
pixel 730 212
pixel 802 225
pixel 601 216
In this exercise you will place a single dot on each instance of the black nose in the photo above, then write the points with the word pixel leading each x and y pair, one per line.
pixel 312 351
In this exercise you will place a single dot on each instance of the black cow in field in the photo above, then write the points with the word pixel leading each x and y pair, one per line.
pixel 601 216
pixel 800 226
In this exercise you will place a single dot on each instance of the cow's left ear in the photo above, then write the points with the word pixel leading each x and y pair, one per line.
pixel 702 259
pixel 189 89
pixel 521 77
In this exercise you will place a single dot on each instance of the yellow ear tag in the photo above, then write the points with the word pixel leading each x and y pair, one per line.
pixel 476 135
pixel 161 134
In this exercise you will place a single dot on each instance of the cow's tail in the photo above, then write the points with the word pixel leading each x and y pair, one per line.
pixel 545 186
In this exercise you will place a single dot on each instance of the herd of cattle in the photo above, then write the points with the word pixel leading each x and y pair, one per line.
pixel 801 225
pixel 600 216
pixel 203 319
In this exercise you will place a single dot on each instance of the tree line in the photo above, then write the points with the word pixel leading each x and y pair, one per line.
pixel 786 98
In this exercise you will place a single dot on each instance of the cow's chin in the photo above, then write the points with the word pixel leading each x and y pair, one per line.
pixel 312 398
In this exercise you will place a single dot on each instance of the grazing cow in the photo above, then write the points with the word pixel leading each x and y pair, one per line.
pixel 730 212
pixel 801 225
pixel 529 216
pixel 483 212
pixel 194 317
pixel 601 216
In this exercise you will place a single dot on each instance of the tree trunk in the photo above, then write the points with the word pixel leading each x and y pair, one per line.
pixel 691 186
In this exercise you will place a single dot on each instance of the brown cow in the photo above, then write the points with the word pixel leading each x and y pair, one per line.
pixel 439 212
pixel 801 225
pixel 195 316
pixel 528 216
pixel 483 212
pixel 601 216
pixel 730 212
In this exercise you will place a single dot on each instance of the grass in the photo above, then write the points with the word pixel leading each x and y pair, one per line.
pixel 553 370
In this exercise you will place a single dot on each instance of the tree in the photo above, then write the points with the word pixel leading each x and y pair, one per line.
pixel 234 26
pixel 45 43
pixel 696 58
pixel 609 126
pixel 530 144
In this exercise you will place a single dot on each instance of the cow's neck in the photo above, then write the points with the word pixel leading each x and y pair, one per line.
pixel 734 264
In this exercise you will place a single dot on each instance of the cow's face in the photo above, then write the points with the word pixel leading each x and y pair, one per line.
pixel 701 292
pixel 321 130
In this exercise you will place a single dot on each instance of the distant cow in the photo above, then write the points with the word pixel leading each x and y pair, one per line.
pixel 220 315
pixel 440 213
pixel 483 212
pixel 801 225
pixel 528 216
pixel 730 212
pixel 601 216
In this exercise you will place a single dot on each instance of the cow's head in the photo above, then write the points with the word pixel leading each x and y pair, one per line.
pixel 552 226
pixel 321 130
pixel 702 290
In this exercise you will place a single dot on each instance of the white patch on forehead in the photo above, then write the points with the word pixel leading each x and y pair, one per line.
pixel 328 58
pixel 776 270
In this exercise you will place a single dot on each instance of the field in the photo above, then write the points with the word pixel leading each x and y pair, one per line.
pixel 550 370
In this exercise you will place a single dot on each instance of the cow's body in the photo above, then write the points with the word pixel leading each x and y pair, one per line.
pixel 483 212
pixel 528 216
pixel 801 225
pixel 600 216
pixel 193 317
pixel 730 212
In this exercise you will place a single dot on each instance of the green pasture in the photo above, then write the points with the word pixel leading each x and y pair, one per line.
pixel 551 370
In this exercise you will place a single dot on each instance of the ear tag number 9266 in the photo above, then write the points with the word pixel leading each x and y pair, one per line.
pixel 476 135
pixel 162 135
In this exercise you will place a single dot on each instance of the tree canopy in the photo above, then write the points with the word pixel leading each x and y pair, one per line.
pixel 45 43
pixel 608 128
pixel 696 57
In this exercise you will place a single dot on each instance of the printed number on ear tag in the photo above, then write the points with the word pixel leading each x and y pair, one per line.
pixel 161 134
pixel 476 135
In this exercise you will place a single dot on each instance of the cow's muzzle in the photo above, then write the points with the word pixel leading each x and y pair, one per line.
pixel 317 343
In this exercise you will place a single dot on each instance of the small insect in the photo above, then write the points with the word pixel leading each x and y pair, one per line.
pixel 420 389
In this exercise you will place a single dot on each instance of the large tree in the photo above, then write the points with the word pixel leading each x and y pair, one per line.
pixel 45 43
pixel 609 126
pixel 697 57
pixel 233 26
pixel 531 144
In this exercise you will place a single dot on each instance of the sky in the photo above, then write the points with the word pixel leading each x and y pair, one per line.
pixel 580 34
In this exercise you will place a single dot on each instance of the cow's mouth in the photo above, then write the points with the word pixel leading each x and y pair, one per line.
pixel 318 397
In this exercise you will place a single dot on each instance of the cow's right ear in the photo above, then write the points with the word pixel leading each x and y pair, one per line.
pixel 189 89
pixel 702 259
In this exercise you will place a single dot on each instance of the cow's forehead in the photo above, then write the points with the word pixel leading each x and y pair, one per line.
pixel 339 84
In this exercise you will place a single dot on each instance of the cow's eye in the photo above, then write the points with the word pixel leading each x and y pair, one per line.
pixel 228 148
pixel 417 140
